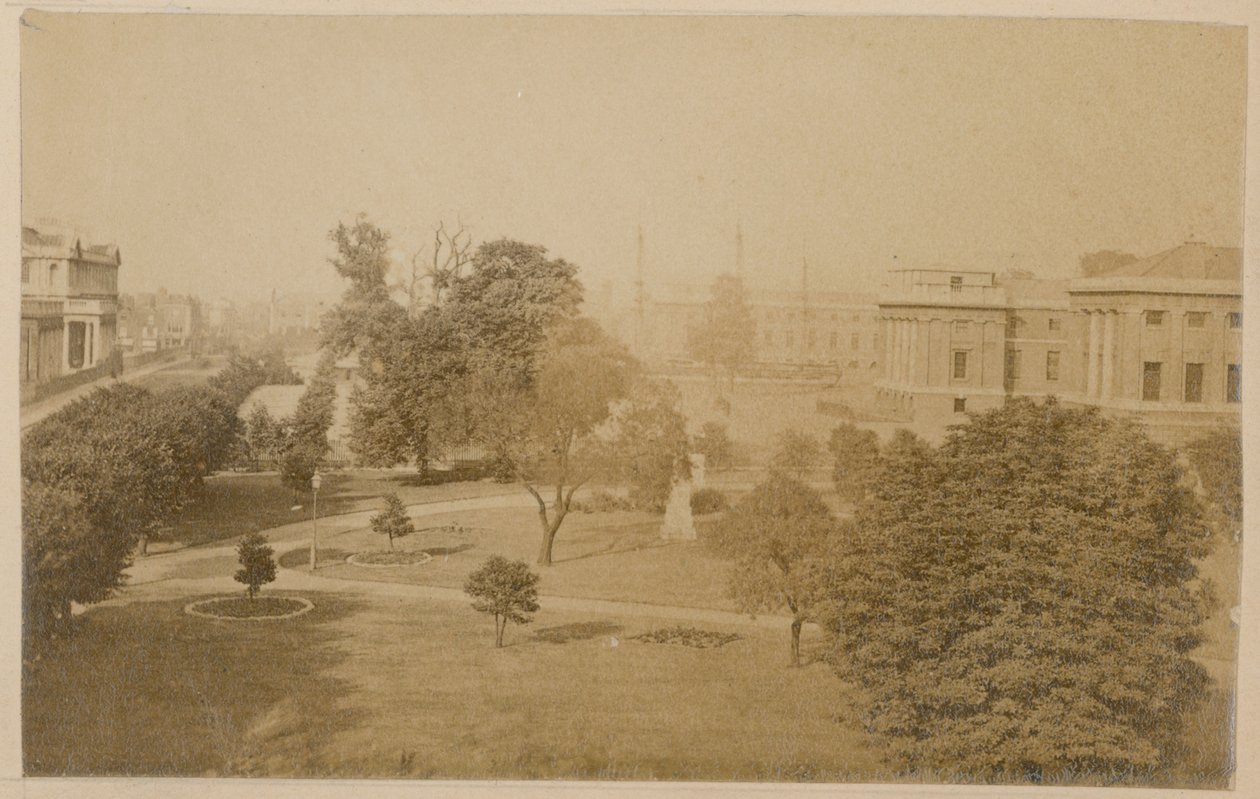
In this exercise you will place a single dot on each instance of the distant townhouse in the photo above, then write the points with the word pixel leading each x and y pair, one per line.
pixel 1158 339
pixel 69 304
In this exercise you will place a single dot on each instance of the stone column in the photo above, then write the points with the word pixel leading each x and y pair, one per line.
pixel 1108 353
pixel 914 352
pixel 1091 362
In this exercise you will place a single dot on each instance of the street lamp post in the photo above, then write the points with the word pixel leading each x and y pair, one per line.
pixel 315 481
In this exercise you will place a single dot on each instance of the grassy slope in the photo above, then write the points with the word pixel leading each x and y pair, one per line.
pixel 349 689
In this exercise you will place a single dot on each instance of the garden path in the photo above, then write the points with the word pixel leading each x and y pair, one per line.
pixel 152 577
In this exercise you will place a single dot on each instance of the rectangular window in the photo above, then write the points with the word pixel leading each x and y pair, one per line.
pixel 1013 358
pixel 811 339
pixel 26 272
pixel 955 284
pixel 834 338
pixel 1151 371
pixel 1154 318
pixel 1194 382
pixel 1235 320
pixel 854 340
pixel 960 404
pixel 770 337
pixel 1055 323
pixel 1195 318
pixel 960 365
pixel 1052 365
pixel 78 343
pixel 1233 383
pixel 962 328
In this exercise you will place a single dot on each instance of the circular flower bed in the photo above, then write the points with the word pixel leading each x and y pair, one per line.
pixel 687 636
pixel 388 558
pixel 242 608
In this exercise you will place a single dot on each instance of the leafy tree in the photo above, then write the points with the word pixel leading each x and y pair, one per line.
pixel 855 457
pixel 778 537
pixel 258 567
pixel 1021 601
pixel 726 339
pixel 1103 261
pixel 508 300
pixel 265 434
pixel 650 446
pixel 366 313
pixel 581 373
pixel 393 521
pixel 1217 459
pixel 796 454
pixel 715 444
pixel 64 558
pixel 413 378
pixel 508 590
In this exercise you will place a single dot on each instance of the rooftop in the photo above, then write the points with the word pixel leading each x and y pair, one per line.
pixel 1192 260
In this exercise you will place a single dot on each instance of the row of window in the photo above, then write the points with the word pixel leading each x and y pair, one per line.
pixel 1192 390
pixel 1195 319
pixel 789 340
pixel 1014 362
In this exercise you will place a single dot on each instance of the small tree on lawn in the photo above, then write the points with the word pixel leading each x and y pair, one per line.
pixel 506 589
pixel 257 565
pixel 393 521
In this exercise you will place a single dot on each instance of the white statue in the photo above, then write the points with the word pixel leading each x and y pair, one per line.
pixel 679 525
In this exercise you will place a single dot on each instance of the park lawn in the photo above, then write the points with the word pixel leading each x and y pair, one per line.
pixel 144 689
pixel 416 688
pixel 234 504
pixel 615 556
pixel 185 373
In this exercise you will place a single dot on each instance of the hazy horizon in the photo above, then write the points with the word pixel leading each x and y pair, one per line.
pixel 217 151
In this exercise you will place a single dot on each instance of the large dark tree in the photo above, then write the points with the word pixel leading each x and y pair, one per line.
pixel 1021 601
pixel 780 538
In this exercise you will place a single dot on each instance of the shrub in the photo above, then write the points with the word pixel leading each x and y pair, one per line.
pixel 258 567
pixel 601 502
pixel 505 589
pixel 393 521
pixel 796 454
pixel 855 460
pixel 708 500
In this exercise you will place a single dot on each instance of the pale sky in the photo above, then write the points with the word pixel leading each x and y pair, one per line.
pixel 218 151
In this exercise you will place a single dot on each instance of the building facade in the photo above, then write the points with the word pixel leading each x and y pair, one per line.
pixel 792 327
pixel 151 321
pixel 1158 339
pixel 69 304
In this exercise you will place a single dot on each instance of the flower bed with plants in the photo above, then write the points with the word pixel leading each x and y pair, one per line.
pixel 238 608
pixel 686 636
pixel 386 557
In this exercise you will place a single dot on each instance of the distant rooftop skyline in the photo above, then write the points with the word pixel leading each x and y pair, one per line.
pixel 217 152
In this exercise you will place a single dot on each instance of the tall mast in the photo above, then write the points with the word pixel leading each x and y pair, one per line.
pixel 739 252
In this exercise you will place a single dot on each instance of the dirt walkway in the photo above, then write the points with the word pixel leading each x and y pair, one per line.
pixel 38 411
pixel 149 578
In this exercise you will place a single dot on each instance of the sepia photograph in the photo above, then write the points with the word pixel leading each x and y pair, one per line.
pixel 633 399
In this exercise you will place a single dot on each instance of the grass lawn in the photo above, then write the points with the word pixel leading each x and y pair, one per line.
pixel 235 504
pixel 190 373
pixel 617 556
pixel 147 689
pixel 381 689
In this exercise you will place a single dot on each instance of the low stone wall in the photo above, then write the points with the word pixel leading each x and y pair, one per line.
pixel 34 392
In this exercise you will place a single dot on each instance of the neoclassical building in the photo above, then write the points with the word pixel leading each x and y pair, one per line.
pixel 69 304
pixel 1159 339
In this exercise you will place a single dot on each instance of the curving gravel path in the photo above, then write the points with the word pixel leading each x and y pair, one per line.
pixel 150 577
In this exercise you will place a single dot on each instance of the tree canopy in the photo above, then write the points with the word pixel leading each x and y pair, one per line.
pixel 726 339
pixel 780 538
pixel 1021 601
